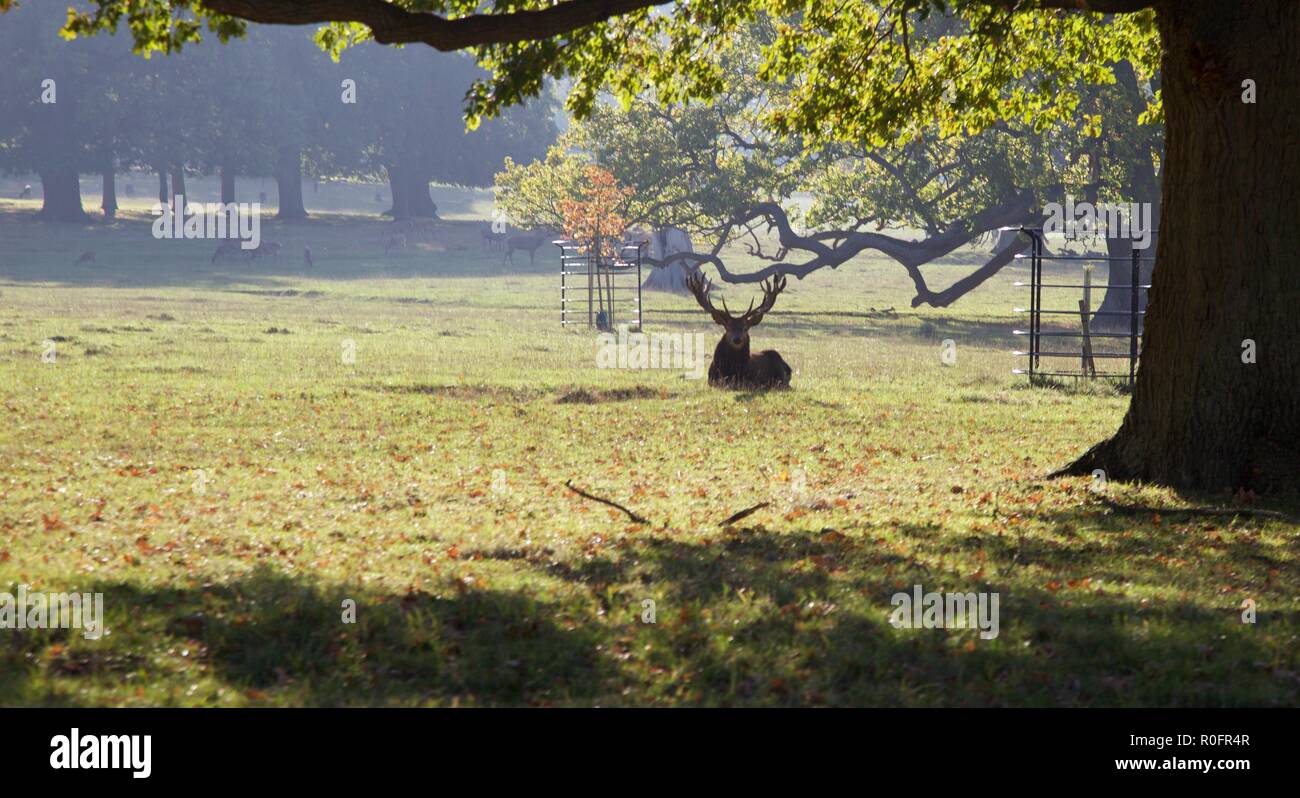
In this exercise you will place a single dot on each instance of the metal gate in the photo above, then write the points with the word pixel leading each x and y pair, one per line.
pixel 609 286
pixel 1059 334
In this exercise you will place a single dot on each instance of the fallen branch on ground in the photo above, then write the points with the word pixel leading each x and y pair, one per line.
pixel 638 519
pixel 745 513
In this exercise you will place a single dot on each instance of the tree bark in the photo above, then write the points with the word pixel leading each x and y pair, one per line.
pixel 1201 417
pixel 422 203
pixel 227 184
pixel 178 189
pixel 1144 186
pixel 162 188
pixel 109 202
pixel 61 187
pixel 1119 278
pixel 670 278
pixel 399 185
pixel 288 181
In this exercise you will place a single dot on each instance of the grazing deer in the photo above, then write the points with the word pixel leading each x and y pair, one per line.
pixel 266 249
pixel 306 258
pixel 733 366
pixel 526 243
pixel 396 241
pixel 399 227
pixel 86 257
pixel 424 228
pixel 492 240
pixel 228 247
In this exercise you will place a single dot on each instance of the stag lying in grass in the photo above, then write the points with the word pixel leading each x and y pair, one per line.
pixel 733 366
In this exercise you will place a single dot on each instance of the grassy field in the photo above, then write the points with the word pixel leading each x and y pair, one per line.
pixel 202 452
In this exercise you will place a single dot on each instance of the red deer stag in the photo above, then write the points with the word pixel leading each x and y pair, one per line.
pixel 733 366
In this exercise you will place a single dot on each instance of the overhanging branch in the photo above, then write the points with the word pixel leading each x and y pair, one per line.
pixel 847 244
pixel 392 24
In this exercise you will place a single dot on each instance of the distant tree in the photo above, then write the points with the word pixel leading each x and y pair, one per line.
pixel 52 139
pixel 406 126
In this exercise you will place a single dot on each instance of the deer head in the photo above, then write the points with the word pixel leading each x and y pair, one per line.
pixel 737 327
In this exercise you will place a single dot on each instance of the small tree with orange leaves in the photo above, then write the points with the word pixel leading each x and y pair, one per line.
pixel 598 215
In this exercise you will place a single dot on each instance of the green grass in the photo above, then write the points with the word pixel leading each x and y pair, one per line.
pixel 425 482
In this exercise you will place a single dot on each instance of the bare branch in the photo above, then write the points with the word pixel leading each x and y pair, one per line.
pixel 845 244
pixel 638 519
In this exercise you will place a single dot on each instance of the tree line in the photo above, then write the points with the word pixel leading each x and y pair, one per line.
pixel 271 104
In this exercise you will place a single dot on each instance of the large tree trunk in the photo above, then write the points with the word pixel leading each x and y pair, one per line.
pixel 421 202
pixel 399 185
pixel 62 191
pixel 178 190
pixel 227 184
pixel 672 278
pixel 109 201
pixel 163 196
pixel 1144 186
pixel 1200 417
pixel 288 180
pixel 1119 279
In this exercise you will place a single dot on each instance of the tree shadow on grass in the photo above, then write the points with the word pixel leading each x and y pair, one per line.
pixel 794 618
pixel 745 617
pixel 283 637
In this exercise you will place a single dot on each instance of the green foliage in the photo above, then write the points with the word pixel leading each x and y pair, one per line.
pixel 691 165
pixel 859 70
pixel 164 26
pixel 694 164
pixel 533 194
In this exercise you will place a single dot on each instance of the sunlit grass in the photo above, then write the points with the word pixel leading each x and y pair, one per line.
pixel 228 488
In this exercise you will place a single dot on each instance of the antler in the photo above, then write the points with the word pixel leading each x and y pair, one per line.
pixel 701 290
pixel 770 290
